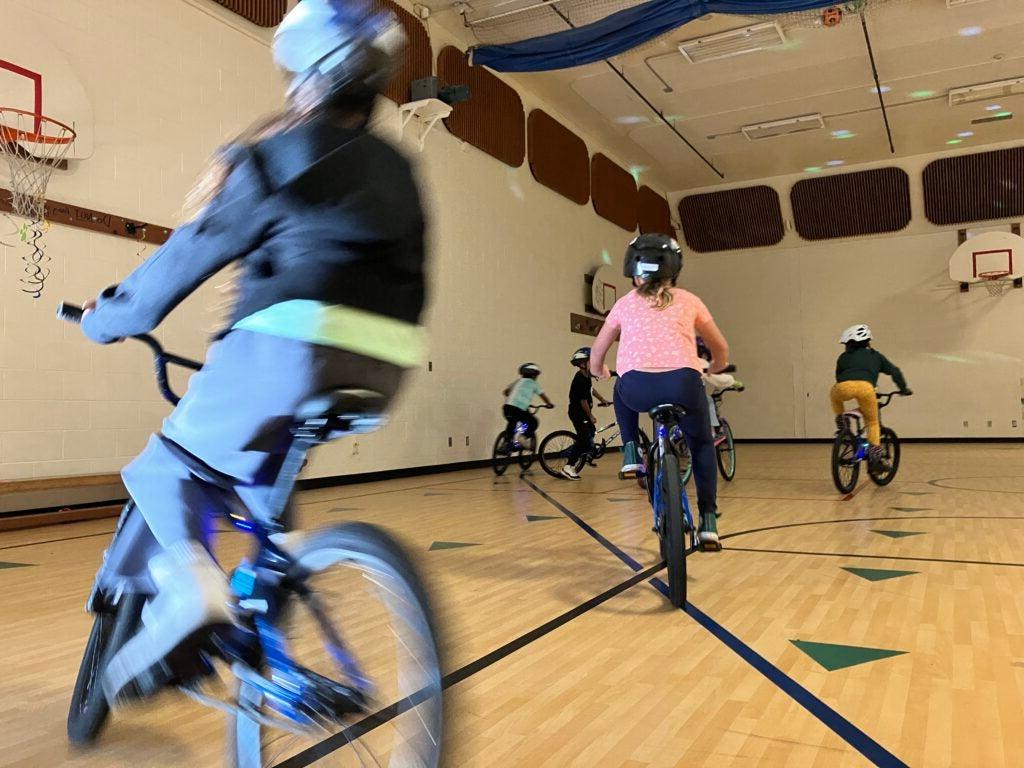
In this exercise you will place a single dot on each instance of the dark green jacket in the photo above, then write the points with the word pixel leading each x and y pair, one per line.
pixel 864 365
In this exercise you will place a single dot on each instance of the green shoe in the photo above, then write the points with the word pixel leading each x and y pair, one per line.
pixel 707 537
pixel 631 463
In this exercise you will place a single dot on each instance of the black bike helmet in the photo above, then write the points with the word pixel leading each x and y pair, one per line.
pixel 529 370
pixel 653 256
pixel 581 355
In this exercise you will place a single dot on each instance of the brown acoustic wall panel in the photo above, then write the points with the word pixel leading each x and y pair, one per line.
pixel 493 119
pixel 653 213
pixel 749 217
pixel 262 13
pixel 613 190
pixel 851 204
pixel 558 157
pixel 419 59
pixel 978 187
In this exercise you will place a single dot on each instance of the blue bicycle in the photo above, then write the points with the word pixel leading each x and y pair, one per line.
pixel 299 690
pixel 673 521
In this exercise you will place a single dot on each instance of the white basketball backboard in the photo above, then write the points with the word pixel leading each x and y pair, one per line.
pixel 36 77
pixel 988 255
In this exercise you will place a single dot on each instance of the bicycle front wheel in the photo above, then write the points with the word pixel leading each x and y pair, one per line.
pixel 555 450
pixel 527 453
pixel 725 452
pixel 500 458
pixel 670 498
pixel 845 465
pixel 891 444
pixel 386 627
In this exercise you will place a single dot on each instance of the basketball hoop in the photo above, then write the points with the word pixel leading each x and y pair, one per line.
pixel 33 145
pixel 995 281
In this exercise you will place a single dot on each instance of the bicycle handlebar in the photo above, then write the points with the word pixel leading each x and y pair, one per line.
pixel 884 398
pixel 161 359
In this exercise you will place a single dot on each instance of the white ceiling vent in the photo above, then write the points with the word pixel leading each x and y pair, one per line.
pixel 735 42
pixel 986 91
pixel 959 3
pixel 783 127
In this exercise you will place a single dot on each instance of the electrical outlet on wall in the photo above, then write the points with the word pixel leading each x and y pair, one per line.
pixel 965 425
pixel 1013 423
pixel 449 441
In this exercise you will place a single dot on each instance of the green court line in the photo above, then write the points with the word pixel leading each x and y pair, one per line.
pixel 535 518
pixel 833 657
pixel 898 534
pixel 450 545
pixel 4 565
pixel 877 574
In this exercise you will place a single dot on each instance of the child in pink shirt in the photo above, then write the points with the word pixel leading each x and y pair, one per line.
pixel 657 325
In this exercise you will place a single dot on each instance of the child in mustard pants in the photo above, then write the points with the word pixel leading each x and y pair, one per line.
pixel 857 371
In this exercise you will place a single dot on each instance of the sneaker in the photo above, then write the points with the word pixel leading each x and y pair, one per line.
pixel 570 473
pixel 193 599
pixel 707 536
pixel 877 459
pixel 631 463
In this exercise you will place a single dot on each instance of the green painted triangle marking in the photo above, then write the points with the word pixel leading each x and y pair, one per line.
pixel 833 657
pixel 450 545
pixel 14 565
pixel 912 509
pixel 345 509
pixel 436 493
pixel 535 518
pixel 611 499
pixel 877 574
pixel 898 534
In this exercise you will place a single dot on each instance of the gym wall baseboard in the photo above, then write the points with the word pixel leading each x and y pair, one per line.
pixel 903 440
pixel 16 519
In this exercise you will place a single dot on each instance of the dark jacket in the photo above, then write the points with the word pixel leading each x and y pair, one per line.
pixel 866 364
pixel 319 212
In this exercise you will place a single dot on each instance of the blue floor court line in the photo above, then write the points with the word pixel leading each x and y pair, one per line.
pixel 843 728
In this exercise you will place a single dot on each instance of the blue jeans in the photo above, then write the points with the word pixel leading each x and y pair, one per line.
pixel 638 391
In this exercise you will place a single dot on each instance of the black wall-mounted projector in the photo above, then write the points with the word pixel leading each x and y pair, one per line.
pixel 431 88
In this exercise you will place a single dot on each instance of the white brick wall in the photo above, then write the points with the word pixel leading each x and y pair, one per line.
pixel 169 82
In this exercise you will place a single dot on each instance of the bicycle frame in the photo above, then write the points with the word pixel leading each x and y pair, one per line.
pixel 662 445
pixel 860 433
pixel 258 586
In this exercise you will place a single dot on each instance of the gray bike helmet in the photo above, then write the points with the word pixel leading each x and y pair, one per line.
pixel 653 256
pixel 354 47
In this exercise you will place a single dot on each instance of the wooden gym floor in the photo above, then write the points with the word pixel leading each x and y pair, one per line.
pixel 886 628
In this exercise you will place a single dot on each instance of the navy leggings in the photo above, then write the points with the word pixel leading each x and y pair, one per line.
pixel 637 392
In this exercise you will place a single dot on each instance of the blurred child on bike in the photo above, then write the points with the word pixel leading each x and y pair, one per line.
pixel 581 414
pixel 657 324
pixel 518 397
pixel 857 371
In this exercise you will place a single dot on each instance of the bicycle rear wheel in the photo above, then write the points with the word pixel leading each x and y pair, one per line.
pixel 500 458
pixel 110 630
pixel 388 628
pixel 845 465
pixel 555 450
pixel 891 444
pixel 725 452
pixel 673 536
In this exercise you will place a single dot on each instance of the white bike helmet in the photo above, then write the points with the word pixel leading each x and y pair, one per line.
pixel 352 45
pixel 855 333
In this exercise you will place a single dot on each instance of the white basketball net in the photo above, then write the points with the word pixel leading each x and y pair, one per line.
pixel 33 146
pixel 996 286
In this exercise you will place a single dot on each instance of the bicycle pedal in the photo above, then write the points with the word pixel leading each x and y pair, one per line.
pixel 710 546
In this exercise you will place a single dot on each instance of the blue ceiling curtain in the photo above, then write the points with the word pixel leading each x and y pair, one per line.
pixel 620 32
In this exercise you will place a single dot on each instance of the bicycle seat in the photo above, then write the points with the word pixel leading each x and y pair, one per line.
pixel 667 414
pixel 337 412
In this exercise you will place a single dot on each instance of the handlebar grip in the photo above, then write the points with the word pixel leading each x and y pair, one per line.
pixel 70 313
